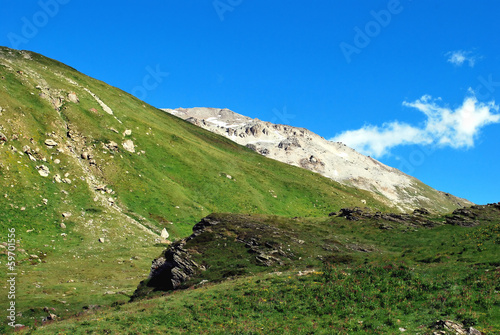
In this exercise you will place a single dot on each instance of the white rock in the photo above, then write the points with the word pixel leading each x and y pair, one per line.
pixel 43 170
pixel 127 132
pixel 129 146
pixel 164 234
pixel 66 215
pixel 50 143
pixel 73 98
pixel 57 161
pixel 101 240
pixel 57 178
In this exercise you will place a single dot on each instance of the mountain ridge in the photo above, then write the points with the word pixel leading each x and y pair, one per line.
pixel 303 148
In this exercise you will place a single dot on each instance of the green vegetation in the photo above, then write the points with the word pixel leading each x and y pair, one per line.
pixel 178 174
pixel 407 277
pixel 86 232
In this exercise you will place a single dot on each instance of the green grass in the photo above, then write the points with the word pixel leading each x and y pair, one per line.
pixel 176 177
pixel 341 292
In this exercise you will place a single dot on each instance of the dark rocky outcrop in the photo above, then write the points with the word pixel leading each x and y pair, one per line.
pixel 464 217
pixel 176 267
pixel 169 271
pixel 418 218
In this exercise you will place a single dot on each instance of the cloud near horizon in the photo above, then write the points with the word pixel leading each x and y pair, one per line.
pixel 443 127
pixel 459 57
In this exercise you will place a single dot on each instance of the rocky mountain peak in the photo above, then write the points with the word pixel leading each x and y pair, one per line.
pixel 303 148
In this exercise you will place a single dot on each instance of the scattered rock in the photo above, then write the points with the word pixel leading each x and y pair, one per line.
pixel 73 98
pixel 289 143
pixel 456 328
pixel 51 316
pixel 45 201
pixel 57 178
pixel 67 180
pixel 421 211
pixel 164 233
pixel 43 170
pixel 3 138
pixel 127 132
pixel 129 146
pixel 66 215
pixel 463 217
pixel 50 142
pixel 63 226
pixel 112 146
pixel 57 161
pixel 101 240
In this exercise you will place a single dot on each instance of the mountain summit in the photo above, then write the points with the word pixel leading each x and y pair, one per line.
pixel 335 160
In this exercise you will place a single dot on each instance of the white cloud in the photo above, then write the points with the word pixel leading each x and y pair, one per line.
pixel 460 57
pixel 443 127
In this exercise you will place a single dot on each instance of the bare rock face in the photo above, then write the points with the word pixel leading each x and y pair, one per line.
pixel 169 271
pixel 334 160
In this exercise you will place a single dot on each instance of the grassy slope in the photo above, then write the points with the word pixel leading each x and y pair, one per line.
pixel 180 177
pixel 411 277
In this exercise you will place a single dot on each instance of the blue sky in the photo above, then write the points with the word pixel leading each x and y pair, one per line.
pixel 412 83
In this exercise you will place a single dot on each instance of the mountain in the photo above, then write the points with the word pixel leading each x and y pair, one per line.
pixel 96 183
pixel 334 160
pixel 90 176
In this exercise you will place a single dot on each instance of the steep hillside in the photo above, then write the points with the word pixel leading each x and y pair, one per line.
pixel 303 148
pixel 355 272
pixel 90 176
